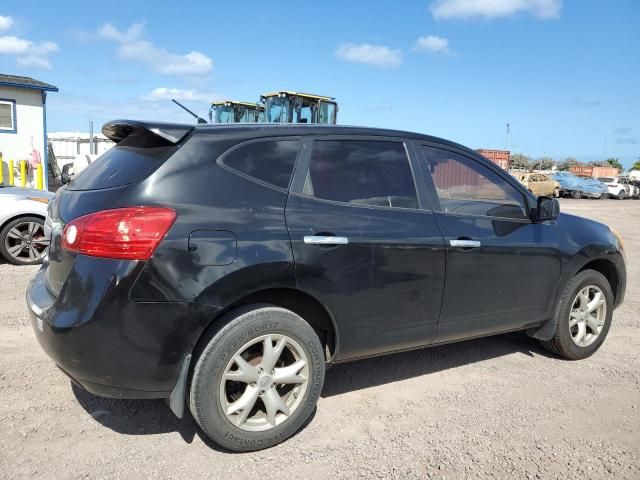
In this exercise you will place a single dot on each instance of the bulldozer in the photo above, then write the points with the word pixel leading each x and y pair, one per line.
pixel 295 107
pixel 231 111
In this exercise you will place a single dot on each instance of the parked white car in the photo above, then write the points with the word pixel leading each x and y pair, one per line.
pixel 620 187
pixel 22 214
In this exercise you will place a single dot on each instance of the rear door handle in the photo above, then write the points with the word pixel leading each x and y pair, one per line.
pixel 325 240
pixel 465 243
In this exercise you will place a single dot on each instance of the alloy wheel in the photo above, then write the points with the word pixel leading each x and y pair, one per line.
pixel 26 242
pixel 264 383
pixel 587 316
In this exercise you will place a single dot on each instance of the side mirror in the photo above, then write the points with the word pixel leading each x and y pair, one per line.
pixel 548 209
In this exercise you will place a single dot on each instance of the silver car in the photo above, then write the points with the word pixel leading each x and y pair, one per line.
pixel 22 215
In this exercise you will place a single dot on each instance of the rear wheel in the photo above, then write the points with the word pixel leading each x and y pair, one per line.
pixel 575 194
pixel 621 195
pixel 258 379
pixel 583 316
pixel 22 241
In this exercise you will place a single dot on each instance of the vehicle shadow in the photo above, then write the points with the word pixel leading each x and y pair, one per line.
pixel 371 372
pixel 152 417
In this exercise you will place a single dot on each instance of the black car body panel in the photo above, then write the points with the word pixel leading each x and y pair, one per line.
pixel 124 328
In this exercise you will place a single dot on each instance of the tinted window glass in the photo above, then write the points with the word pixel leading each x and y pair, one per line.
pixel 362 172
pixel 271 161
pixel 119 166
pixel 467 187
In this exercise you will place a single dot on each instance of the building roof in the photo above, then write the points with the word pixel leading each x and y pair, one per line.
pixel 25 82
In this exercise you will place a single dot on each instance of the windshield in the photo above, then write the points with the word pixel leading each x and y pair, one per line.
pixel 303 114
pixel 277 109
pixel 327 113
pixel 224 114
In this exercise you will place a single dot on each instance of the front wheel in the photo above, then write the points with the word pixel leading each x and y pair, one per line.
pixel 575 194
pixel 23 242
pixel 583 316
pixel 556 193
pixel 258 379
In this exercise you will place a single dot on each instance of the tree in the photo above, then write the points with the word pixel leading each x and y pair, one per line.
pixel 520 161
pixel 636 166
pixel 615 162
pixel 567 163
pixel 544 163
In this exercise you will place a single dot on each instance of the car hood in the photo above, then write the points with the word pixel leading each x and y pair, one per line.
pixel 25 192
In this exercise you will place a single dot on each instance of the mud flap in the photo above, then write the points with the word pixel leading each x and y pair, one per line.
pixel 177 398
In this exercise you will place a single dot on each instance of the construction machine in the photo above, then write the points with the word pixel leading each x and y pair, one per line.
pixel 295 107
pixel 231 111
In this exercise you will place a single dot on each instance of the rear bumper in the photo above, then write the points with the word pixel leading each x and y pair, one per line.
pixel 109 345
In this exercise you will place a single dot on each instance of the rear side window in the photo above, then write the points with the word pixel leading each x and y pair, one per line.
pixel 120 165
pixel 361 172
pixel 269 161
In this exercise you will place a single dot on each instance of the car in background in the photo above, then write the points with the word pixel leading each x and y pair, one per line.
pixel 539 184
pixel 22 214
pixel 620 187
pixel 578 187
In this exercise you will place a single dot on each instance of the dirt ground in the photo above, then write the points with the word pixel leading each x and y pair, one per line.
pixel 498 407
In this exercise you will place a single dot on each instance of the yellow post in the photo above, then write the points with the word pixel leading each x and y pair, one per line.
pixel 11 179
pixel 1 170
pixel 39 182
pixel 23 173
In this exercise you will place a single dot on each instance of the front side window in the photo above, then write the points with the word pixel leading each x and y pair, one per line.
pixel 7 120
pixel 269 161
pixel 469 188
pixel 361 172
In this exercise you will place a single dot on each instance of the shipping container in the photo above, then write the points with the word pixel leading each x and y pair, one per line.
pixel 499 157
pixel 594 172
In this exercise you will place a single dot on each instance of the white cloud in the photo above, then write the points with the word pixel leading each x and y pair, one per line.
pixel 165 93
pixel 133 46
pixel 432 43
pixel 489 9
pixel 5 23
pixel 375 55
pixel 28 53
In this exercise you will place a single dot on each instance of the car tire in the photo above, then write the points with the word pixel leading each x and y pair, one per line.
pixel 575 194
pixel 621 195
pixel 34 245
pixel 575 336
pixel 556 193
pixel 215 399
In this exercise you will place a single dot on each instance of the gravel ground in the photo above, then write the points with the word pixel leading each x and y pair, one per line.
pixel 498 407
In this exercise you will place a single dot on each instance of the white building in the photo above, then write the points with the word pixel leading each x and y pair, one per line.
pixel 23 120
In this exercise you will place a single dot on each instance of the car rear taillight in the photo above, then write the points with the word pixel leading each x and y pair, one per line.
pixel 131 233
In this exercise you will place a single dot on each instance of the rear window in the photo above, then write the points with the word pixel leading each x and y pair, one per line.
pixel 606 179
pixel 118 166
pixel 270 161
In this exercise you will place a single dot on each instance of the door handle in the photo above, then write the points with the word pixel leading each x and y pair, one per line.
pixel 325 240
pixel 465 243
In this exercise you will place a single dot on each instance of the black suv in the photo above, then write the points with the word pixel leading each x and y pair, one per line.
pixel 223 267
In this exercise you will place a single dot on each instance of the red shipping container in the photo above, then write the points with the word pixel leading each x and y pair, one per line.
pixel 594 172
pixel 499 157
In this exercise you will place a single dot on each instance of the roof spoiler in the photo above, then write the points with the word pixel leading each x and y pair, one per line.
pixel 172 133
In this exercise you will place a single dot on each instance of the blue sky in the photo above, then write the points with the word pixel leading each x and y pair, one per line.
pixel 564 74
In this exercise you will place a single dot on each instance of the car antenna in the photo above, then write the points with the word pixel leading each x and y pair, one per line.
pixel 197 117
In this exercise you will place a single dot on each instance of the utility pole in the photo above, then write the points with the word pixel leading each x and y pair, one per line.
pixel 507 141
